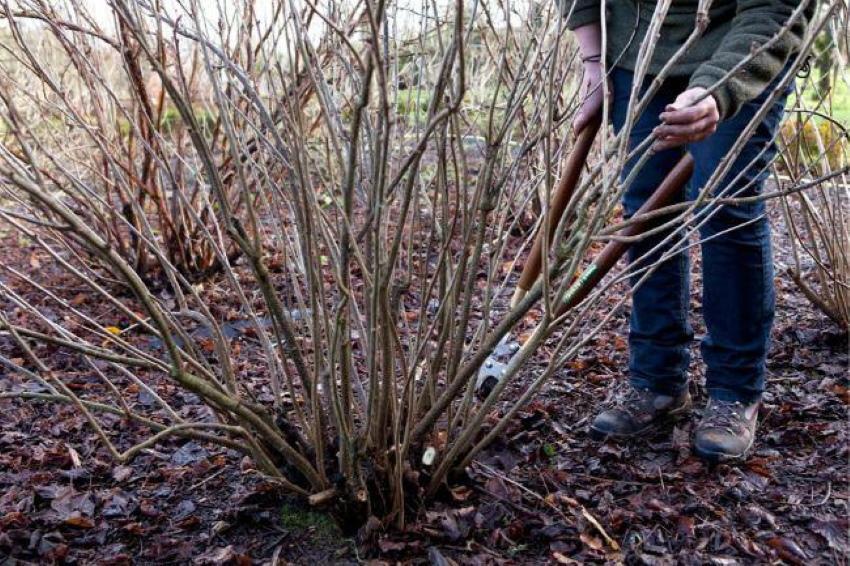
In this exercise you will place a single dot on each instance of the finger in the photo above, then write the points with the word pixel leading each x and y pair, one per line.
pixel 685 115
pixel 684 100
pixel 707 124
pixel 669 143
pixel 580 122
pixel 582 119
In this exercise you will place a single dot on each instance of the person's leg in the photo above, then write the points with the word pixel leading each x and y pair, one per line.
pixel 659 330
pixel 738 294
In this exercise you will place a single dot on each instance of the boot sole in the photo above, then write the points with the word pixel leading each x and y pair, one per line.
pixel 667 419
pixel 721 457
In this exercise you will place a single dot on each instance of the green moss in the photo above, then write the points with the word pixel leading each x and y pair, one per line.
pixel 301 519
pixel 412 104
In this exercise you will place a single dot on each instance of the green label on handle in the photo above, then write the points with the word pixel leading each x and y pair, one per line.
pixel 579 283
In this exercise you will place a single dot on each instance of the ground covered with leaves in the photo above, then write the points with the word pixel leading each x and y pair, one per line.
pixel 544 493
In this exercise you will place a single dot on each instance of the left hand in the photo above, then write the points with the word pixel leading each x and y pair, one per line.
pixel 687 121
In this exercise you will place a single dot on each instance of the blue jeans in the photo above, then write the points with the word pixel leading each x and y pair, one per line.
pixel 738 294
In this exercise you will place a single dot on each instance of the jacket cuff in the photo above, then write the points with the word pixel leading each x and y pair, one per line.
pixel 584 12
pixel 583 17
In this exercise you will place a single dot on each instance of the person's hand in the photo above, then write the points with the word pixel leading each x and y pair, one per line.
pixel 686 120
pixel 591 94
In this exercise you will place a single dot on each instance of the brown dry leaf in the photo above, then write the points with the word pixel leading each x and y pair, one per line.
pixel 561 559
pixel 567 500
pixel 14 519
pixel 122 473
pixel 440 440
pixel 591 541
pixel 685 526
pixel 460 493
pixel 79 521
pixel 75 456
pixel 788 550
pixel 189 522
pixel 525 336
pixel 842 392
pixel 135 529
pixel 760 467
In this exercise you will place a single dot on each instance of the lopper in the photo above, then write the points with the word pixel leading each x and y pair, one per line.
pixel 494 367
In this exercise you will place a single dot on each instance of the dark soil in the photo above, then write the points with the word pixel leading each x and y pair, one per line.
pixel 545 493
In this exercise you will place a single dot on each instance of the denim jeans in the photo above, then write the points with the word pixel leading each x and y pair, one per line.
pixel 738 294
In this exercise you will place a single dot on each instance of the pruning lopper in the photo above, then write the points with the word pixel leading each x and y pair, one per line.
pixel 494 367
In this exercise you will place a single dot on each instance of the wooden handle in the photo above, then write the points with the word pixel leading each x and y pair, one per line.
pixel 560 200
pixel 665 194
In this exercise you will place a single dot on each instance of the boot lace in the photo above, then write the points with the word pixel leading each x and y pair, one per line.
pixel 633 402
pixel 727 415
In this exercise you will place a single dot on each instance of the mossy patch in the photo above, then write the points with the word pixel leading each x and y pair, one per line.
pixel 298 518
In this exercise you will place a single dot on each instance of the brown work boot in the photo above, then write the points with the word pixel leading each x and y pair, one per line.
pixel 726 431
pixel 638 411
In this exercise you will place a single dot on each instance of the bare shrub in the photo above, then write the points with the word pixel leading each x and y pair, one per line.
pixel 371 175
pixel 816 145
pixel 85 112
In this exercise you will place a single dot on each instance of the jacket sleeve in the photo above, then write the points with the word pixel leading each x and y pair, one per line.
pixel 579 12
pixel 755 22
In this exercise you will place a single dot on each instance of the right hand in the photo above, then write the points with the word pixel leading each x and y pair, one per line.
pixel 591 94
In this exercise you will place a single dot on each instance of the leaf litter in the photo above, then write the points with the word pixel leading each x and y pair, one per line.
pixel 543 493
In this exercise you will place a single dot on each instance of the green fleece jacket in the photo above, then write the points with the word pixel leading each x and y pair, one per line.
pixel 734 27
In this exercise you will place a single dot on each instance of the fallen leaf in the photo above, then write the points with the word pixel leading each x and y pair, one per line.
pixel 685 526
pixel 561 559
pixel 207 345
pixel 75 457
pixel 438 559
pixel 387 545
pixel 834 533
pixel 460 493
pixel 79 521
pixel 189 453
pixel 842 392
pixel 788 550
pixel 122 473
pixel 591 541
